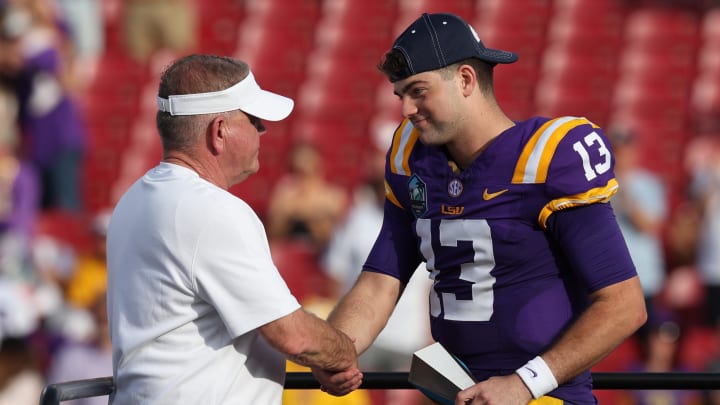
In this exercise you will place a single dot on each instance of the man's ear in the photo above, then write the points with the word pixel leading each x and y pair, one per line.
pixel 216 133
pixel 468 79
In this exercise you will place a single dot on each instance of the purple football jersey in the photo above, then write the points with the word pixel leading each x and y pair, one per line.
pixel 503 290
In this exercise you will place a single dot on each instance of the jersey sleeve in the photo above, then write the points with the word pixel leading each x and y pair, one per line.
pixel 572 157
pixel 593 245
pixel 395 251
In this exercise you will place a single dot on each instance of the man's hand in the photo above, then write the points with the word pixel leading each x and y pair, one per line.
pixel 338 383
pixel 505 390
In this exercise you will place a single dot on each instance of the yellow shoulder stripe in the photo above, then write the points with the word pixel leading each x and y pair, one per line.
pixel 592 196
pixel 391 196
pixel 403 141
pixel 534 161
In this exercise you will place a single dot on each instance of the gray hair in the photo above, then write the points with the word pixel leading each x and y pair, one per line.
pixel 188 75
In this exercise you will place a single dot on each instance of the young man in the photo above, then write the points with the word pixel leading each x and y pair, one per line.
pixel 198 312
pixel 533 283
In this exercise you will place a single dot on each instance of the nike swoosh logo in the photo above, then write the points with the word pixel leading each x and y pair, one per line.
pixel 534 373
pixel 489 196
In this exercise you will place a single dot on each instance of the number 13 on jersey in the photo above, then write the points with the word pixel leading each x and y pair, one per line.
pixel 477 304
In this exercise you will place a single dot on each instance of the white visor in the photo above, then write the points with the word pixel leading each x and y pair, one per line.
pixel 246 96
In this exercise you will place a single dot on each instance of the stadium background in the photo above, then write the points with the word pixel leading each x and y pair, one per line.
pixel 652 66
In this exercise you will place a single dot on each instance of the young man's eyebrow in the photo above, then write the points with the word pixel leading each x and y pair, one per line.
pixel 407 87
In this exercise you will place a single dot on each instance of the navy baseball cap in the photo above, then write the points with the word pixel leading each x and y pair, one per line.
pixel 435 41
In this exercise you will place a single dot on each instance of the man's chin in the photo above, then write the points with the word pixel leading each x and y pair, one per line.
pixel 429 138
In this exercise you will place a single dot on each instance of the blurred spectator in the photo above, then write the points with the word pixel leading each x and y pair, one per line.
pixel 21 382
pixel 87 30
pixel 705 189
pixel 89 278
pixel 52 130
pixel 684 294
pixel 682 235
pixel 660 350
pixel 89 356
pixel 355 234
pixel 19 199
pixel 304 205
pixel 641 208
pixel 19 315
pixel 159 25
pixel 53 261
pixel 407 329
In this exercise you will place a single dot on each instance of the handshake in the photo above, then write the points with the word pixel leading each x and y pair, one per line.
pixel 338 383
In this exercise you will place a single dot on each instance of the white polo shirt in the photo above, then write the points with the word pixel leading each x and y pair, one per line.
pixel 190 279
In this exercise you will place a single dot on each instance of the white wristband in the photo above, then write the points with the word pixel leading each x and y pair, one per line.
pixel 538 377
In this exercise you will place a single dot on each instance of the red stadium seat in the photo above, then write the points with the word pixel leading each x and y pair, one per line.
pixel 497 19
pixel 218 25
pixel 576 95
pixel 270 23
pixel 657 58
pixel 567 25
pixel 662 141
pixel 276 11
pixel 342 144
pixel 705 96
pixel 515 89
pixel 708 59
pixel 671 25
pixel 656 98
pixel 493 8
pixel 282 72
pixel 620 358
pixel 590 62
pixel 298 264
pixel 65 226
pixel 652 90
pixel 409 10
pixel 705 102
pixel 699 346
pixel 339 95
pixel 710 26
pixel 376 33
pixel 590 8
pixel 360 11
pixel 525 25
pixel 463 8
pixel 586 35
pixel 528 47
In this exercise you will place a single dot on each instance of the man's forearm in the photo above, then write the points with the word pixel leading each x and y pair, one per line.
pixel 309 341
pixel 330 349
pixel 363 312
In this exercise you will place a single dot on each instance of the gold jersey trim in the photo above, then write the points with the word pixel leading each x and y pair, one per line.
pixel 391 196
pixel 403 142
pixel 534 161
pixel 592 196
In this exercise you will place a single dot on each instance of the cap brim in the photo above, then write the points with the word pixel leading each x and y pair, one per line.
pixel 498 56
pixel 269 106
